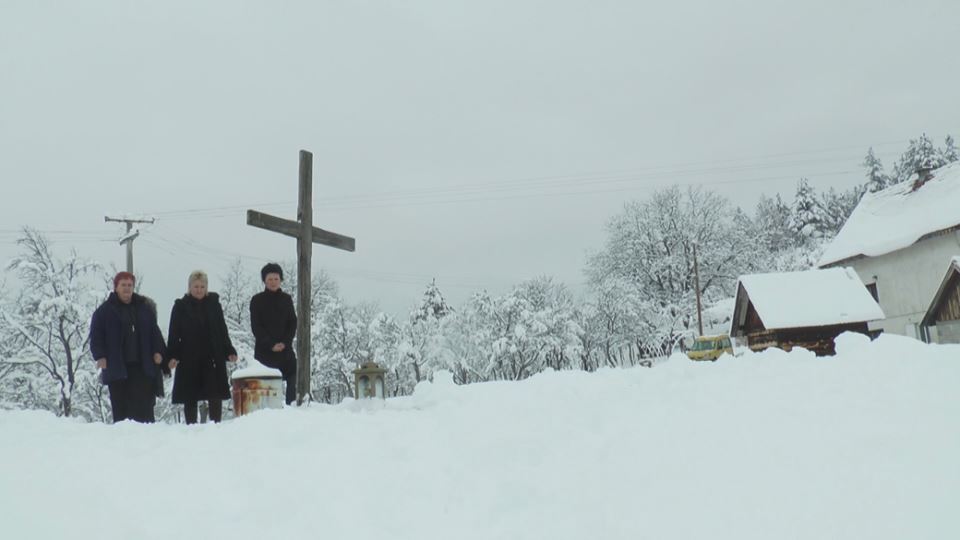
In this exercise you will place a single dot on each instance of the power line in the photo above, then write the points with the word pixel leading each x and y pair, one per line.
pixel 182 244
pixel 478 195
pixel 633 175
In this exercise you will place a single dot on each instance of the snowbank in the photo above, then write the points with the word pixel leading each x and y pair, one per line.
pixel 769 445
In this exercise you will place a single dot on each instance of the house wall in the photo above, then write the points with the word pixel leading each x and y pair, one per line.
pixel 948 332
pixel 907 279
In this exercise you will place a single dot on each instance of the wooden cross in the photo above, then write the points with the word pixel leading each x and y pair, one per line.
pixel 306 235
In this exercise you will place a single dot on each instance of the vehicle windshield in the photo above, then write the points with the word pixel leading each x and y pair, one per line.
pixel 705 345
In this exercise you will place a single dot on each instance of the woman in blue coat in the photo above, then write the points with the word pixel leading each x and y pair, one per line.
pixel 199 347
pixel 127 345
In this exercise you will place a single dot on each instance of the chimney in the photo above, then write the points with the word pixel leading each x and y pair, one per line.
pixel 924 173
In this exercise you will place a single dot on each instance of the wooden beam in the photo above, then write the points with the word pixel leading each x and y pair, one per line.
pixel 304 274
pixel 292 229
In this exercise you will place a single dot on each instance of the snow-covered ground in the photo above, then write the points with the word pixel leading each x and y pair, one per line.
pixel 864 445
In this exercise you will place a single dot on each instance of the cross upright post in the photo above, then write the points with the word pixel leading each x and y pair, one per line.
pixel 306 234
pixel 304 258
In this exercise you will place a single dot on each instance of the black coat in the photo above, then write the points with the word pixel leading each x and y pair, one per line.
pixel 199 340
pixel 273 320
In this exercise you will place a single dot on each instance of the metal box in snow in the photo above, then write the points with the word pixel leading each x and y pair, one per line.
pixel 256 387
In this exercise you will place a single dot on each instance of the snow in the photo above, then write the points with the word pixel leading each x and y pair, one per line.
pixel 897 217
pixel 767 445
pixel 810 298
pixel 130 236
pixel 716 318
pixel 256 370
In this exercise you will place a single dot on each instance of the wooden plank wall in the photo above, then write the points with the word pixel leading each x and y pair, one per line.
pixel 819 339
pixel 949 309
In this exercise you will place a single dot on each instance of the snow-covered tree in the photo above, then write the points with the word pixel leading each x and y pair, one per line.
pixel 432 305
pixel 45 330
pixel 626 326
pixel 551 325
pixel 650 252
pixel 837 207
pixel 920 153
pixel 949 153
pixel 341 342
pixel 468 340
pixel 385 336
pixel 237 286
pixel 772 219
pixel 422 341
pixel 798 257
pixel 876 177
pixel 586 318
pixel 807 219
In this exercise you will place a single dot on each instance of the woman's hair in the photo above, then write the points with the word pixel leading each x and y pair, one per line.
pixel 196 275
pixel 121 276
pixel 270 268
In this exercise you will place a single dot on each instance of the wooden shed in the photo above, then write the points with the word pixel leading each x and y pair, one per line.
pixel 942 320
pixel 801 309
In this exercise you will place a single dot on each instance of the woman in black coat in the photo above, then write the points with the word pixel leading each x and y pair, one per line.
pixel 199 346
pixel 274 325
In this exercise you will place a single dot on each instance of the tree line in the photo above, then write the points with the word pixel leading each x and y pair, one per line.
pixel 640 303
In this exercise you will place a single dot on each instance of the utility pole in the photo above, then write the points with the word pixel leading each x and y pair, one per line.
pixel 129 237
pixel 696 284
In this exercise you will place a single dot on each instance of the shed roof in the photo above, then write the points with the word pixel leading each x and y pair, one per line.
pixel 808 298
pixel 897 217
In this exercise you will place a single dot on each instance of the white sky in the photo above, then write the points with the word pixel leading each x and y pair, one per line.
pixel 479 143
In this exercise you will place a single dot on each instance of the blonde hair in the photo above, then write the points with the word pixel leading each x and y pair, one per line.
pixel 196 275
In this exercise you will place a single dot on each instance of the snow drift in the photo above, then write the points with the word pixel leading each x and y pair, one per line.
pixel 770 445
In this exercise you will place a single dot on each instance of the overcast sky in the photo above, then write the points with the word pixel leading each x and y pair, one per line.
pixel 479 143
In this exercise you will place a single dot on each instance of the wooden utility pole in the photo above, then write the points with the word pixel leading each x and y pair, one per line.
pixel 129 237
pixel 696 285
pixel 306 235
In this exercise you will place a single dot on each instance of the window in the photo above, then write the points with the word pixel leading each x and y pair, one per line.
pixel 872 288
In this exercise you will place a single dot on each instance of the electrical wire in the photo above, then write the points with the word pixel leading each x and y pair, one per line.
pixel 476 191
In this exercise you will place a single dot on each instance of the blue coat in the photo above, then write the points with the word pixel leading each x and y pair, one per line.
pixel 106 338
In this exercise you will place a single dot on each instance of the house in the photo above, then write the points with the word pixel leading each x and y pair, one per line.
pixel 942 320
pixel 801 309
pixel 898 240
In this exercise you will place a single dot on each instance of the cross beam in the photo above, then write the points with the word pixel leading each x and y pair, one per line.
pixel 292 228
pixel 306 234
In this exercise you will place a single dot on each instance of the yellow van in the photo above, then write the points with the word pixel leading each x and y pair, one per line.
pixel 710 347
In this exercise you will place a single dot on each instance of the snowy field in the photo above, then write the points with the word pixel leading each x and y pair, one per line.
pixel 864 445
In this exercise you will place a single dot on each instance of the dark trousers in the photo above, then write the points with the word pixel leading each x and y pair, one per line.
pixel 132 398
pixel 288 370
pixel 190 411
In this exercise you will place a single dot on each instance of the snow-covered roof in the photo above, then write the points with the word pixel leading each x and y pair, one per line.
pixel 809 298
pixel 898 216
